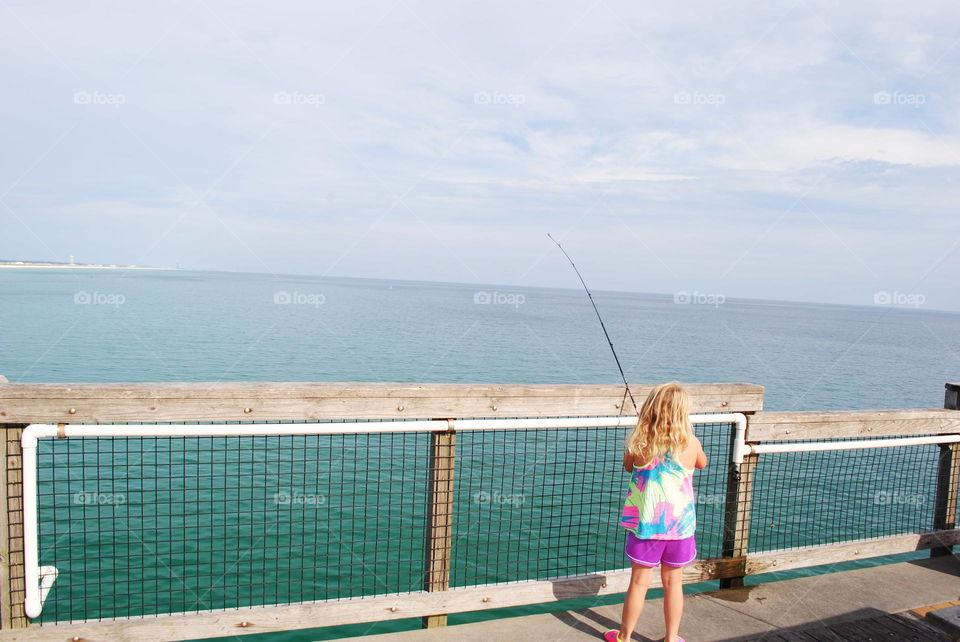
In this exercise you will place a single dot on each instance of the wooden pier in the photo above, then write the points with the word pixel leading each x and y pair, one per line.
pixel 440 407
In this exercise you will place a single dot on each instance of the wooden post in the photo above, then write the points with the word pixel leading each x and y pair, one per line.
pixel 736 514
pixel 440 519
pixel 948 479
pixel 12 586
pixel 951 397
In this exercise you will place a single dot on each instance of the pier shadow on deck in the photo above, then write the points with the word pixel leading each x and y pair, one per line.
pixel 863 604
pixel 863 624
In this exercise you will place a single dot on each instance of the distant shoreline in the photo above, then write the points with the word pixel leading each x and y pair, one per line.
pixel 72 266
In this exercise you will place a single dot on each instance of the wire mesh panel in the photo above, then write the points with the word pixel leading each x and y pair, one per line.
pixel 710 485
pixel 140 526
pixel 808 498
pixel 538 504
pixel 148 525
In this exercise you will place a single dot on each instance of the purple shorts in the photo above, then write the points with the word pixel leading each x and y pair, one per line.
pixel 652 552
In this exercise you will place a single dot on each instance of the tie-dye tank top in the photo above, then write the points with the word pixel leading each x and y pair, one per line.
pixel 660 502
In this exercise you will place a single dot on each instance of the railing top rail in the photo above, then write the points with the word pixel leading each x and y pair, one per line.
pixel 361 388
pixel 780 426
pixel 244 401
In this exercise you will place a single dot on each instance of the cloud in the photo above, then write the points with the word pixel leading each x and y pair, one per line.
pixel 422 140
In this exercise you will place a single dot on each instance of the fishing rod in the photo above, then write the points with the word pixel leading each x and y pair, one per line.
pixel 602 325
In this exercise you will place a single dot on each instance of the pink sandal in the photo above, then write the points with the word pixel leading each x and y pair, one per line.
pixel 613 635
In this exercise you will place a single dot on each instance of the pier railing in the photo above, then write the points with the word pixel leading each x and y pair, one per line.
pixel 196 510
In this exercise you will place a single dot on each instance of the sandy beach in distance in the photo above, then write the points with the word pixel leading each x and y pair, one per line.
pixel 70 266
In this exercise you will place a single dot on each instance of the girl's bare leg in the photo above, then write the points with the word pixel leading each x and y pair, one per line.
pixel 672 579
pixel 640 577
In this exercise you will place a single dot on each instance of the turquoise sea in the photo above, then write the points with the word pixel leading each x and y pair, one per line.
pixel 137 325
pixel 197 510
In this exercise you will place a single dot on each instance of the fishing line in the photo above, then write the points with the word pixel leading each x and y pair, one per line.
pixel 602 325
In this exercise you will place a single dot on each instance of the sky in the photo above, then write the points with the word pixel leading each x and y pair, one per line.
pixel 789 150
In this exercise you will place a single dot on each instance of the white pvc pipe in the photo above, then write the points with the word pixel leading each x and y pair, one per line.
pixel 739 440
pixel 36 594
pixel 39 431
pixel 48 575
pixel 32 605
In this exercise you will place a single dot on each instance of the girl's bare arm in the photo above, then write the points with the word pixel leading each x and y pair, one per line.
pixel 701 456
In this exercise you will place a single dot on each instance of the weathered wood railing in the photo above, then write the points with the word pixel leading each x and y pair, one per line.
pixel 23 404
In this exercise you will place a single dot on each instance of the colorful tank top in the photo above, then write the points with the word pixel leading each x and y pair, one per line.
pixel 660 502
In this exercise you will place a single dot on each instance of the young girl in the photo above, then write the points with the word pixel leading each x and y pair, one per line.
pixel 659 512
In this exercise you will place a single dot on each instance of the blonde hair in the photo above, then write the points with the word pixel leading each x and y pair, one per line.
pixel 663 425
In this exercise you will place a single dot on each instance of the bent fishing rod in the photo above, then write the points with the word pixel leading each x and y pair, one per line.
pixel 602 325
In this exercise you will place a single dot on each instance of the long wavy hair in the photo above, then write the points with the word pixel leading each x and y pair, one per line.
pixel 664 424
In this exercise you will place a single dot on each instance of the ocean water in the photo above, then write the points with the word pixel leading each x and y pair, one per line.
pixel 199 525
pixel 115 325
